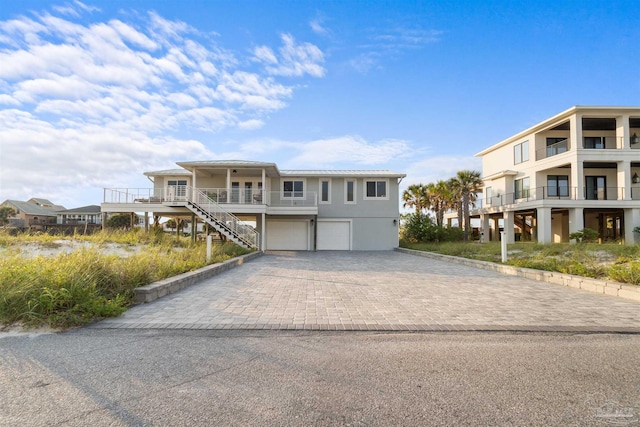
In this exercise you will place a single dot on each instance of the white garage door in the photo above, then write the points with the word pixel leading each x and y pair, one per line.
pixel 334 235
pixel 288 235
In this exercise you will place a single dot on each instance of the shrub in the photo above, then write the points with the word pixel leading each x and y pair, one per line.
pixel 585 235
pixel 626 273
pixel 418 227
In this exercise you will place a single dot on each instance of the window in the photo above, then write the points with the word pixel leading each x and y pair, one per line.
pixel 293 188
pixel 521 152
pixel 325 191
pixel 594 142
pixel 488 194
pixel 376 190
pixel 522 188
pixel 558 186
pixel 350 192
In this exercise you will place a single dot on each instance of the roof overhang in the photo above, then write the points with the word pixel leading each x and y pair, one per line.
pixel 554 121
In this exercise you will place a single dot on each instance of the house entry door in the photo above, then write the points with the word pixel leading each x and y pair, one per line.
pixel 235 192
pixel 596 187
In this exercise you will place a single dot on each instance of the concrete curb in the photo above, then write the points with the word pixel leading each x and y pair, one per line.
pixel 170 285
pixel 605 287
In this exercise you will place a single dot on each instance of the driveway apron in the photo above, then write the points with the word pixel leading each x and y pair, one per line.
pixel 377 291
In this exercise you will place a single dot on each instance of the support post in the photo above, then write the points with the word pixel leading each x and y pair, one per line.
pixel 209 244
pixel 503 245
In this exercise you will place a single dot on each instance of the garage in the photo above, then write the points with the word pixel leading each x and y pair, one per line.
pixel 288 235
pixel 334 235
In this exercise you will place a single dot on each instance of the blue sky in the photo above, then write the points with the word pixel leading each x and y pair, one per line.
pixel 93 94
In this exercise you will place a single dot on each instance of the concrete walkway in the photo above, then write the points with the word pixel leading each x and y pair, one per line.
pixel 377 291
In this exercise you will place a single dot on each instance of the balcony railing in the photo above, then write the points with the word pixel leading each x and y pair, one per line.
pixel 635 193
pixel 223 196
pixel 552 150
pixel 558 193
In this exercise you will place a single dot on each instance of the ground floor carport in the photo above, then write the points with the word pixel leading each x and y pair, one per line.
pixel 555 225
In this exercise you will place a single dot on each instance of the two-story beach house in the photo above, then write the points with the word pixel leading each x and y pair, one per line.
pixel 578 169
pixel 258 205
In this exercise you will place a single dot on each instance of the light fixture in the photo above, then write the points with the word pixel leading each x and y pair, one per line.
pixel 234 171
pixel 395 222
pixel 635 138
pixel 635 179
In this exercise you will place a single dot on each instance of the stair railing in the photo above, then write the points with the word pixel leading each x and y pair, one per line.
pixel 225 219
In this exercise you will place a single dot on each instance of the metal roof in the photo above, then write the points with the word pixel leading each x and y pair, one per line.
pixel 90 209
pixel 345 173
pixel 169 172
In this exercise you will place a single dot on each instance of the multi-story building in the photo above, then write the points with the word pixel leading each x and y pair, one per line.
pixel 258 205
pixel 578 169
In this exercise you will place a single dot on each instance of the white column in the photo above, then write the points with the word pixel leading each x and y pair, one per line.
pixel 264 186
pixel 576 220
pixel 622 132
pixel 631 221
pixel 228 185
pixel 544 225
pixel 509 232
pixel 194 185
pixel 486 230
pixel 263 233
pixel 575 132
pixel 624 180
pixel 577 180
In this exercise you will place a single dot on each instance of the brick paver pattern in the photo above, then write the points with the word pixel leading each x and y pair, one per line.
pixel 377 291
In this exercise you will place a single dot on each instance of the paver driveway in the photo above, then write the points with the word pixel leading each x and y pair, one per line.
pixel 377 291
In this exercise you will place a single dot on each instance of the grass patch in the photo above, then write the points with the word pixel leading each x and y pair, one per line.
pixel 600 261
pixel 76 288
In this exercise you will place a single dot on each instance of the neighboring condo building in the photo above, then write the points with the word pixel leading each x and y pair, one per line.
pixel 578 169
pixel 258 205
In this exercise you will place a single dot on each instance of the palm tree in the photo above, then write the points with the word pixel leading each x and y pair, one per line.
pixel 439 199
pixel 417 197
pixel 466 183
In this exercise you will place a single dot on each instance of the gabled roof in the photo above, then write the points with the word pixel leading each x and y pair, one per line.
pixel 90 209
pixel 30 208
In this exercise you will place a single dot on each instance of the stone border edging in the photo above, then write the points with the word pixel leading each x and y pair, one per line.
pixel 170 285
pixel 606 287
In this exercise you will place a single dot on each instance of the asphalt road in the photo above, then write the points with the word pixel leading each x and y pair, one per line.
pixel 132 377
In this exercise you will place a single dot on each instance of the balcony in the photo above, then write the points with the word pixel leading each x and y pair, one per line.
pixel 553 150
pixel 558 193
pixel 222 196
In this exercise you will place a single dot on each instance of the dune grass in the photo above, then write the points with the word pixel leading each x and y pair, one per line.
pixel 602 261
pixel 76 288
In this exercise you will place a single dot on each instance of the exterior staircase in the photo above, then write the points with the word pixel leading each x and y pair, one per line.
pixel 225 222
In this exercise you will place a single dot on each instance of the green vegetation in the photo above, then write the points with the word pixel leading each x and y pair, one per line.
pixel 457 193
pixel 615 262
pixel 75 288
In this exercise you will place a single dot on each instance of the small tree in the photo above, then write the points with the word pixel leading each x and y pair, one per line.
pixel 6 212
pixel 121 220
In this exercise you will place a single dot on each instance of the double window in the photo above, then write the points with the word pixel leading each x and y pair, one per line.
pixel 521 152
pixel 376 189
pixel 293 188
pixel 522 188
pixel 558 185
pixel 178 187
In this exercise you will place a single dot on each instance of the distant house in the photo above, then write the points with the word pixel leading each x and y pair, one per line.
pixel 84 215
pixel 258 205
pixel 35 213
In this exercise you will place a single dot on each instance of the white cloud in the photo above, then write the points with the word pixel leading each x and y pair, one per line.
pixel 317 26
pixel 294 59
pixel 435 168
pixel 98 103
